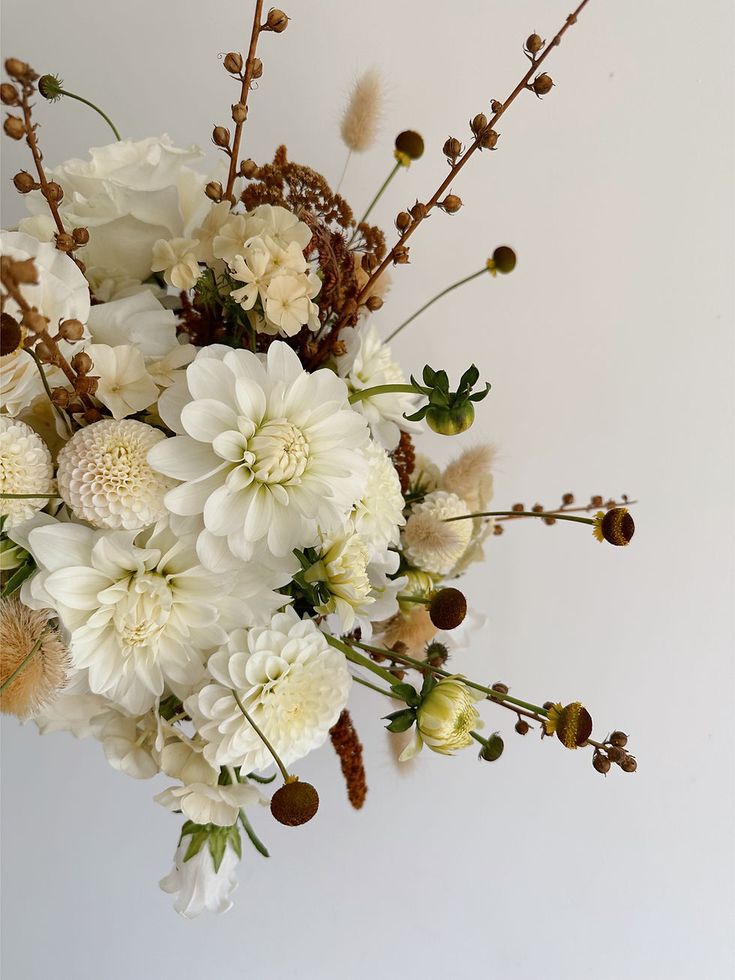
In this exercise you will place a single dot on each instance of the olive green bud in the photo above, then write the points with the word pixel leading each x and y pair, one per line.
pixel 492 749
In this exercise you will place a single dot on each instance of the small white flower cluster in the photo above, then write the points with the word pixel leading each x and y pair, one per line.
pixel 228 509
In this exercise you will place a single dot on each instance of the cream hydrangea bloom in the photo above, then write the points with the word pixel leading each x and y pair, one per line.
pixel 367 362
pixel 140 609
pixel 432 542
pixel 269 453
pixel 25 467
pixel 105 478
pixel 288 678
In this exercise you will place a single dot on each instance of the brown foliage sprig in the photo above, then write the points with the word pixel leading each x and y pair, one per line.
pixel 485 137
pixel 347 746
pixel 19 94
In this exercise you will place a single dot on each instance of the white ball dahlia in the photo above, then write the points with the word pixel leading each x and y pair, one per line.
pixel 378 515
pixel 429 541
pixel 25 467
pixel 105 478
pixel 288 678
pixel 268 452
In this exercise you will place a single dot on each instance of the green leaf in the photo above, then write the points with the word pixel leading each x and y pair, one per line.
pixel 18 578
pixel 428 375
pixel 417 416
pixel 470 377
pixel 401 721
pixel 218 845
pixel 234 841
pixel 407 693
pixel 479 395
pixel 428 686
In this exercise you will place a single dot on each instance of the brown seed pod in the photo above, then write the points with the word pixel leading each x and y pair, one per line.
pixel 452 148
pixel 601 763
pixel 410 143
pixel 294 803
pixel 616 754
pixel 447 609
pixel 629 764
pixel 619 739
pixel 71 330
pixel 522 727
pixel 54 192
pixel 616 526
pixel 373 303
pixel 33 659
pixel 11 334
pixel 500 687
pixel 14 127
pixel 18 69
pixel 233 62
pixel 248 169
pixel 479 123
pixel 534 44
pixel 221 136
pixel 451 204
pixel 276 21
pixel 65 242
pixel 24 182
pixel 542 84
pixel 239 112
pixel 9 94
pixel 489 139
pixel 403 220
pixel 81 362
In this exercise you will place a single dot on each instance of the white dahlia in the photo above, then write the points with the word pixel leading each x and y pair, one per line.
pixel 269 453
pixel 105 478
pixel 342 572
pixel 25 467
pixel 378 515
pixel 288 678
pixel 62 293
pixel 430 541
pixel 367 362
pixel 141 611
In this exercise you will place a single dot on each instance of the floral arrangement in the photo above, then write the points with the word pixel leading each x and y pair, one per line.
pixel 214 520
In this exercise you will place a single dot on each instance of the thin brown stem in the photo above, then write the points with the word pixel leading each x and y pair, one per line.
pixel 26 90
pixel 462 160
pixel 247 79
pixel 566 510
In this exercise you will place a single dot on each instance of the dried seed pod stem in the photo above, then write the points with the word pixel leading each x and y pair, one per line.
pixel 481 140
pixel 243 100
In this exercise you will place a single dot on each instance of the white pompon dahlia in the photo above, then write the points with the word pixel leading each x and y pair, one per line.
pixel 197 884
pixel 25 467
pixel 268 452
pixel 342 571
pixel 378 515
pixel 368 362
pixel 105 478
pixel 141 610
pixel 430 541
pixel 292 683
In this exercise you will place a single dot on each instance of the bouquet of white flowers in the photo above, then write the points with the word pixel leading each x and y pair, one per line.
pixel 213 517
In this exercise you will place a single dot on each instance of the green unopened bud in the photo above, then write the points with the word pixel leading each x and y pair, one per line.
pixel 50 87
pixel 492 749
pixel 450 421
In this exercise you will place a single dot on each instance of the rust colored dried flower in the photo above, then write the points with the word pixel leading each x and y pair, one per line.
pixel 347 746
pixel 359 125
pixel 295 803
pixel 447 609
pixel 14 127
pixel 403 458
pixel 616 526
pixel 410 144
pixel 233 62
pixel 572 724
pixel 33 659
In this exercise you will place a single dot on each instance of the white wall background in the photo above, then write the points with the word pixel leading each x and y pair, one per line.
pixel 610 353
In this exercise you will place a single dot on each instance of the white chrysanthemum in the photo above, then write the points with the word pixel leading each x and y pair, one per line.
pixel 140 609
pixel 106 479
pixel 429 541
pixel 288 678
pixel 367 362
pixel 25 467
pixel 378 515
pixel 176 259
pixel 270 453
pixel 342 572
pixel 62 293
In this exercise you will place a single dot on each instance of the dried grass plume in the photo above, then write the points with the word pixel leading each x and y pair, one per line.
pixel 33 659
pixel 469 476
pixel 362 114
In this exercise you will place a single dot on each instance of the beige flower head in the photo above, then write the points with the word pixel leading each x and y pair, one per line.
pixel 33 659
pixel 469 476
pixel 362 114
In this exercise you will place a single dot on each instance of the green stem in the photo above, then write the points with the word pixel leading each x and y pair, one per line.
pixel 29 496
pixel 377 197
pixel 357 658
pixel 254 839
pixel 110 123
pixel 374 687
pixel 24 662
pixel 261 736
pixel 414 598
pixel 523 513
pixel 424 665
pixel 44 379
pixel 426 306
pixel 362 393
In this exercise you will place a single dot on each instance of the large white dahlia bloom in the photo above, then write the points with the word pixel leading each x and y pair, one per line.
pixel 287 677
pixel 141 611
pixel 267 452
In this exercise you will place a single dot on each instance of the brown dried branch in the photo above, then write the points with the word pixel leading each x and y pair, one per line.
pixel 485 137
pixel 347 746
pixel 596 503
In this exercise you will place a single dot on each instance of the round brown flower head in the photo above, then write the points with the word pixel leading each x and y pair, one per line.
pixel 616 526
pixel 447 609
pixel 33 659
pixel 572 724
pixel 294 803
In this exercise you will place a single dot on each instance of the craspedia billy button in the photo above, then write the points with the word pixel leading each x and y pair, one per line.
pixel 572 724
pixel 294 803
pixel 503 260
pixel 447 609
pixel 616 526
pixel 410 144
